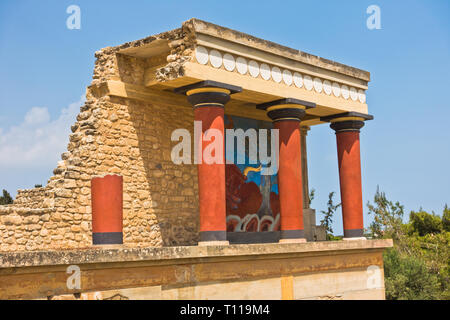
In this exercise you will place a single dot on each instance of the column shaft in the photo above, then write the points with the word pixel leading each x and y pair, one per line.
pixel 208 99
pixel 347 126
pixel 290 179
pixel 350 183
pixel 287 114
pixel 211 180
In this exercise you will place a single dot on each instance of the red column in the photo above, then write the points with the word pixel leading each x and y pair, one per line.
pixel 211 180
pixel 290 180
pixel 208 99
pixel 347 126
pixel 350 183
pixel 286 115
pixel 107 210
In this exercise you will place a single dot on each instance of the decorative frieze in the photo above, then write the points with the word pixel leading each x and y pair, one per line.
pixel 257 69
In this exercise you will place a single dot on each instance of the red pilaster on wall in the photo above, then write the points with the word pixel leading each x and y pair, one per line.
pixel 107 210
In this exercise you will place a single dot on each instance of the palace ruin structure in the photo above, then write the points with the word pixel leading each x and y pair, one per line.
pixel 196 231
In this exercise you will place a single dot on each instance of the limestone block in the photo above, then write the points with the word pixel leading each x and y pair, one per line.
pixel 63 193
pixel 69 184
pixel 74 137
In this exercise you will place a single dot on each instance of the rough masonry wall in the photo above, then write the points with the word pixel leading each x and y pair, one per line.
pixel 114 136
pixel 111 136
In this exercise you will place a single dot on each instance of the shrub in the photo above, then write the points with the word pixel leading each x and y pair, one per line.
pixel 408 278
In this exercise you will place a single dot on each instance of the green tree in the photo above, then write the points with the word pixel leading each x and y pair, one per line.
pixel 424 223
pixel 312 195
pixel 328 216
pixel 446 219
pixel 418 266
pixel 6 198
pixel 388 217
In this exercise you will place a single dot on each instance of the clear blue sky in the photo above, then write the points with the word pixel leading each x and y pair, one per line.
pixel 45 68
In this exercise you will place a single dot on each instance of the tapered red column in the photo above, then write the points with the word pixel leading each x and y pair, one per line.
pixel 347 128
pixel 350 183
pixel 208 99
pixel 290 180
pixel 286 115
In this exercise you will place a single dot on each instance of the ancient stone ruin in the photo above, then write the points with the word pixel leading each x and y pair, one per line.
pixel 189 225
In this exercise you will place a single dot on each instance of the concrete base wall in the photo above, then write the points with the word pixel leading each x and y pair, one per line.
pixel 316 270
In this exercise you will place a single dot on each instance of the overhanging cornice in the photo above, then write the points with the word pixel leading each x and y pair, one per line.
pixel 265 71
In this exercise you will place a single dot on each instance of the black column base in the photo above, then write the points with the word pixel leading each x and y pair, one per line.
pixel 354 233
pixel 292 234
pixel 213 236
pixel 99 238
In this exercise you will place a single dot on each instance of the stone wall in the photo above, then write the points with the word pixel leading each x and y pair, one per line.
pixel 114 136
pixel 111 136
pixel 313 270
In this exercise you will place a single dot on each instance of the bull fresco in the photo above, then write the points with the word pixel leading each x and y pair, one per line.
pixel 252 200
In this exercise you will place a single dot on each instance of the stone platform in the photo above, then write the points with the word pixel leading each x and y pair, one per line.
pixel 314 270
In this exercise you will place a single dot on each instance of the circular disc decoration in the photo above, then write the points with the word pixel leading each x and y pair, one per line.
pixel 215 58
pixel 307 80
pixel 253 68
pixel 327 87
pixel 228 62
pixel 336 89
pixel 201 54
pixel 287 77
pixel 265 71
pixel 318 85
pixel 345 92
pixel 353 94
pixel 241 65
pixel 298 80
pixel 361 96
pixel 276 74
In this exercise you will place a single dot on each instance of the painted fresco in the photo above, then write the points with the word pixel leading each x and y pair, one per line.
pixel 252 199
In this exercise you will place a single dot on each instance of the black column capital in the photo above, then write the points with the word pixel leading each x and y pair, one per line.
pixel 347 121
pixel 208 93
pixel 286 109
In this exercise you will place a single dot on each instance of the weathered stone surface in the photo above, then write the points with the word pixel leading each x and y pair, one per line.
pixel 122 136
pixel 130 141
pixel 63 193
pixel 121 253
pixel 317 270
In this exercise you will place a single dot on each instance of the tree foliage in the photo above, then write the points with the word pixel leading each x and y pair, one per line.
pixel 424 223
pixel 446 219
pixel 418 266
pixel 6 198
pixel 312 195
pixel 388 217
pixel 407 278
pixel 327 220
